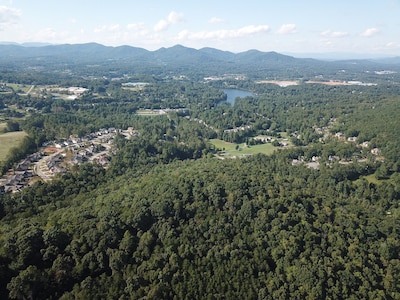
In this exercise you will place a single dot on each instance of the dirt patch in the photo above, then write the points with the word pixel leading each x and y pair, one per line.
pixel 281 83
pixel 50 150
pixel 330 83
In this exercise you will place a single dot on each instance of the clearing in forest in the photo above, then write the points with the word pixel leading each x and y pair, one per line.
pixel 10 140
pixel 226 149
pixel 281 83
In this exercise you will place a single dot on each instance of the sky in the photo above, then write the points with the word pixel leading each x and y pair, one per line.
pixel 285 26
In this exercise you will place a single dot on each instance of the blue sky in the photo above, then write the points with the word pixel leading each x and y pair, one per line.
pixel 295 26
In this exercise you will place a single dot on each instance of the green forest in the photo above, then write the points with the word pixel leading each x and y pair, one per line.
pixel 170 219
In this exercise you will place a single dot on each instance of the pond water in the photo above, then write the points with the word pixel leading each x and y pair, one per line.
pixel 232 94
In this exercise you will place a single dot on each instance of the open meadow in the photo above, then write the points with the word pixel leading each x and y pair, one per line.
pixel 8 141
pixel 233 149
pixel 21 88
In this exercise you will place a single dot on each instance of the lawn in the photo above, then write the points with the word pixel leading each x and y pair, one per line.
pixel 232 149
pixel 9 140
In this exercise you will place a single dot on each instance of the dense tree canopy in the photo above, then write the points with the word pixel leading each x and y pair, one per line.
pixel 259 229
pixel 169 220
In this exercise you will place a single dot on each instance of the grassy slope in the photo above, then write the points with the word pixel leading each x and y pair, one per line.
pixel 9 140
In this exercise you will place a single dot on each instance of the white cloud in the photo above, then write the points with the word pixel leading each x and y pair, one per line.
pixel 173 18
pixel 392 45
pixel 334 34
pixel 339 34
pixel 251 29
pixel 370 32
pixel 8 17
pixel 184 34
pixel 135 26
pixel 224 33
pixel 287 29
pixel 161 25
pixel 215 20
pixel 107 28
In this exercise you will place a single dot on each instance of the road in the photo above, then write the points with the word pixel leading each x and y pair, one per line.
pixel 43 162
pixel 30 90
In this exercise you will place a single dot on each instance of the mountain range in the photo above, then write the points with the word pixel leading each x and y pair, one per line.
pixel 175 53
pixel 177 56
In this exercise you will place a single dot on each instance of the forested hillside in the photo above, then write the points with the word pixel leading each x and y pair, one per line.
pixel 173 216
pixel 251 228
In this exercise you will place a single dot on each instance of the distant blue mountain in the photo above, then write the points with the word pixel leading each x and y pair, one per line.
pixel 177 56
pixel 174 54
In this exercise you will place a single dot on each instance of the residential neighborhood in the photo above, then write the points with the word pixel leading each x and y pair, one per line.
pixel 56 158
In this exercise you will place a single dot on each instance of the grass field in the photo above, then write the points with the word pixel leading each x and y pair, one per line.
pixel 3 126
pixel 23 87
pixel 9 140
pixel 232 149
pixel 372 179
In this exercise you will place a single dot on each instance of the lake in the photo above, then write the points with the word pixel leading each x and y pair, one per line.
pixel 232 94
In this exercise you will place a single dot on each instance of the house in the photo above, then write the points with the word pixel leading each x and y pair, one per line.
pixel 78 159
pixel 333 157
pixel 376 151
pixel 27 174
pixel 13 188
pixel 339 134
pixel 103 160
pixel 16 179
pixel 75 140
pixel 35 157
pixel 102 131
pixel 23 166
pixel 365 144
pixel 352 139
pixel 296 162
pixel 313 165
